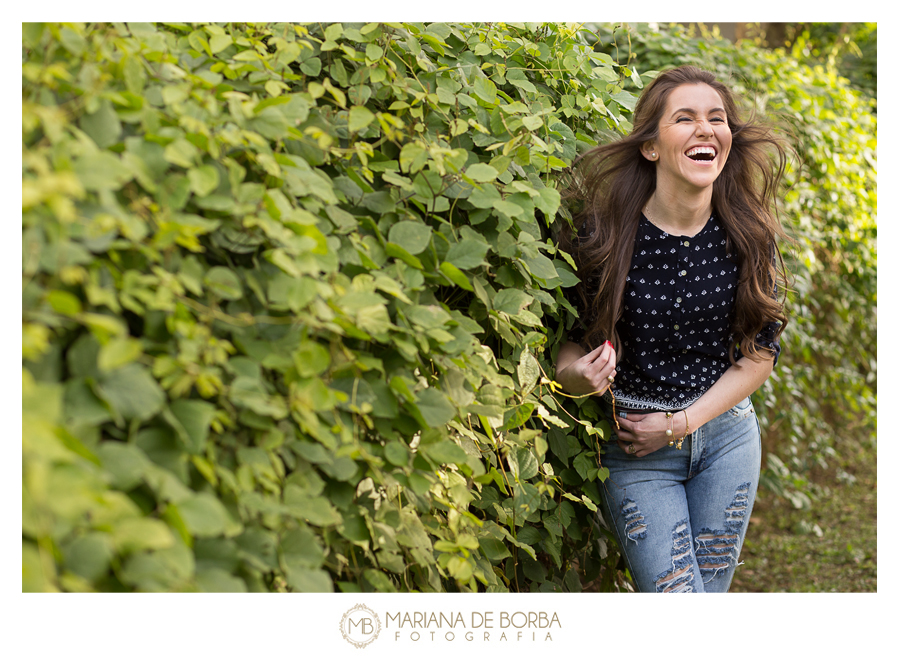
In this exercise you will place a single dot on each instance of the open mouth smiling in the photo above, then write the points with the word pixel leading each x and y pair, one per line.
pixel 702 154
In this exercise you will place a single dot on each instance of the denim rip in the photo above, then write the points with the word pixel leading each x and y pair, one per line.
pixel 635 526
pixel 680 578
pixel 716 550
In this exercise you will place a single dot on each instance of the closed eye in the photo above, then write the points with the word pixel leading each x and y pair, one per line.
pixel 717 119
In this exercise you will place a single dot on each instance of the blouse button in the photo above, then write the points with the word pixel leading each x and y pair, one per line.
pixel 678 299
pixel 676 327
pixel 682 273
pixel 687 244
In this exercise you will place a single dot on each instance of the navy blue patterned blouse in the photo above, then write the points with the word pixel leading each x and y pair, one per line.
pixel 676 324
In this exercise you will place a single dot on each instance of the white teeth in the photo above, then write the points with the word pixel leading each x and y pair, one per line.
pixel 701 149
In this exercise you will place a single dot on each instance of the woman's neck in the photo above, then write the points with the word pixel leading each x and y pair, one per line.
pixel 679 214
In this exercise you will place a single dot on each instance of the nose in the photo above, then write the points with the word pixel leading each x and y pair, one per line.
pixel 704 127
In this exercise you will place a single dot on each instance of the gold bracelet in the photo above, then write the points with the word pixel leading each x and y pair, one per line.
pixel 687 428
pixel 669 421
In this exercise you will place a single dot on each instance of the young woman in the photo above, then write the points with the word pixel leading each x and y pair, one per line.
pixel 676 246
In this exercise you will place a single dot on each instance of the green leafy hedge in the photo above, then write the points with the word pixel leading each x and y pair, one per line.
pixel 290 294
pixel 291 297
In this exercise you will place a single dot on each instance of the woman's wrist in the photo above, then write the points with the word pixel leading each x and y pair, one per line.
pixel 568 383
pixel 562 379
pixel 566 378
pixel 680 425
pixel 697 415
pixel 569 353
pixel 733 386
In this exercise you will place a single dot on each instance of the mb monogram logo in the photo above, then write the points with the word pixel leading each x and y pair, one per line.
pixel 360 626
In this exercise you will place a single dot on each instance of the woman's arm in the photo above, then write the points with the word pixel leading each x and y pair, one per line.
pixel 580 372
pixel 734 385
pixel 648 431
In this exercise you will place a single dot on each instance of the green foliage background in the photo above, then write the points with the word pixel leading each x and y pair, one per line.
pixel 291 298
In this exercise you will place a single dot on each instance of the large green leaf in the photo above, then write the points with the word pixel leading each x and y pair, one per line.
pixel 360 117
pixel 204 515
pixel 203 180
pixel 103 125
pixel 413 236
pixel 434 408
pixel 126 463
pixel 522 463
pixel 468 254
pixel 192 419
pixel 445 452
pixel 481 172
pixel 511 300
pixel 131 392
pixel 224 283
pixel 139 534
pixel 102 171
pixel 301 548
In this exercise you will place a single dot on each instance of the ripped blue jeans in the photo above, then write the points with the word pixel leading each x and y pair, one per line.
pixel 681 515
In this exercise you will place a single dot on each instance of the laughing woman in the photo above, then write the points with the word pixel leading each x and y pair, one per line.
pixel 675 242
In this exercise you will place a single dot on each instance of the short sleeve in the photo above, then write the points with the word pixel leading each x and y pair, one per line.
pixel 768 339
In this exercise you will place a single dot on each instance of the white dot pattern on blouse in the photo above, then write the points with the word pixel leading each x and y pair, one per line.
pixel 676 323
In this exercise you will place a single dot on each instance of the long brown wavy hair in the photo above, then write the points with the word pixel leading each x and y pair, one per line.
pixel 609 185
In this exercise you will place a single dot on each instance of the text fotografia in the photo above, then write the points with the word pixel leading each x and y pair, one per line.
pixel 480 626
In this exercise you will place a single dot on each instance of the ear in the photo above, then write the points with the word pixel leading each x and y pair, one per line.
pixel 648 150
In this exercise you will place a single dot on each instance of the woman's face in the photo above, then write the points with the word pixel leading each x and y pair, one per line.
pixel 694 140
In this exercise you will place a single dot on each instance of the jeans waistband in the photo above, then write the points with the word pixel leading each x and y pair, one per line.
pixel 607 408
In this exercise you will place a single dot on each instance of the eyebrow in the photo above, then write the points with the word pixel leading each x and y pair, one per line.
pixel 690 111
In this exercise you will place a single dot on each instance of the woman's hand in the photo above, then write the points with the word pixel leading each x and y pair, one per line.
pixel 647 432
pixel 641 434
pixel 590 373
